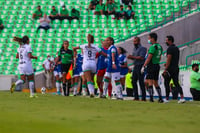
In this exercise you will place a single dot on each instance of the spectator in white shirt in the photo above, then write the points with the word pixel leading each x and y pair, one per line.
pixel 44 23
pixel 48 71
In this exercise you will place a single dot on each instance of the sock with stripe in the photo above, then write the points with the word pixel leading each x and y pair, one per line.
pixel 84 89
pixel 119 89
pixel 18 82
pixel 31 87
pixel 58 86
pixel 75 86
pixel 91 87
pixel 105 86
pixel 158 89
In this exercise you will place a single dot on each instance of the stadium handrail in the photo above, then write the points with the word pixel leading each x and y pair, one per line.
pixel 186 59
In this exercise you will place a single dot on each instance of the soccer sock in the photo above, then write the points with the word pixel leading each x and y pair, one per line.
pixel 75 88
pixel 158 89
pixel 31 87
pixel 64 88
pixel 105 86
pixel 119 89
pixel 151 91
pixel 84 90
pixel 18 82
pixel 58 86
pixel 110 89
pixel 123 87
pixel 100 86
pixel 91 87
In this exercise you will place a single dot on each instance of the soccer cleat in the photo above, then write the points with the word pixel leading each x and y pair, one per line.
pixel 160 101
pixel 102 96
pixel 165 101
pixel 151 100
pixel 12 88
pixel 33 96
pixel 91 95
pixel 182 100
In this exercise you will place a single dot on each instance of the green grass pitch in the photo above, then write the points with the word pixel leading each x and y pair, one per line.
pixel 57 114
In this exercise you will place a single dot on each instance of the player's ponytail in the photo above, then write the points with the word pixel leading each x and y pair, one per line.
pixel 17 39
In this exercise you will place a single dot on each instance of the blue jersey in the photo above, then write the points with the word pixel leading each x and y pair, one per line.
pixel 101 62
pixel 112 49
pixel 122 61
pixel 78 68
pixel 57 67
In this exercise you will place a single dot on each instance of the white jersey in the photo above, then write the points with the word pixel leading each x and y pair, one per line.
pixel 25 64
pixel 23 54
pixel 89 53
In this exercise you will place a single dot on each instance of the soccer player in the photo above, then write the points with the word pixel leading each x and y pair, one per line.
pixel 78 61
pixel 24 55
pixel 57 73
pixel 123 65
pixel 153 67
pixel 89 63
pixel 113 69
pixel 66 57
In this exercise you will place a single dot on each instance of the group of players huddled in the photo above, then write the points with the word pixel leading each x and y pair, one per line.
pixel 109 63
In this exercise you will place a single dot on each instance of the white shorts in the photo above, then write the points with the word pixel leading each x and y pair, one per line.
pixel 122 76
pixel 89 66
pixel 114 76
pixel 25 69
pixel 57 73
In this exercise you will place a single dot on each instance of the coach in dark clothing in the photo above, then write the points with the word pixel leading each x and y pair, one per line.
pixel 138 58
pixel 171 68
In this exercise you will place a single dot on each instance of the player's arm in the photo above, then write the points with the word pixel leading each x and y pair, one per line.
pixel 135 57
pixel 148 60
pixel 102 53
pixel 75 48
pixel 169 58
pixel 125 63
pixel 17 55
pixel 113 59
pixel 31 56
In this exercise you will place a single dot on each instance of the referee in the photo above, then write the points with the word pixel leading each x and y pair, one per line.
pixel 171 69
pixel 153 66
pixel 66 57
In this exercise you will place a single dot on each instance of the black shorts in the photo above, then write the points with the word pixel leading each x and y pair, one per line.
pixel 65 68
pixel 153 71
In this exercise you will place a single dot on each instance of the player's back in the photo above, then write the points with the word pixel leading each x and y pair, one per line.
pixel 23 51
pixel 89 53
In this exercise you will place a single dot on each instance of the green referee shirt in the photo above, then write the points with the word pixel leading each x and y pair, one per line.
pixel 38 13
pixel 156 50
pixel 194 80
pixel 54 12
pixel 64 12
pixel 100 7
pixel 66 56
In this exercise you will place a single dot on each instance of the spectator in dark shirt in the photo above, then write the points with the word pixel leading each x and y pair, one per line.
pixel 93 4
pixel 172 69
pixel 54 13
pixel 100 8
pixel 110 8
pixel 130 13
pixel 138 57
pixel 75 14
pixel 1 24
pixel 38 13
pixel 121 13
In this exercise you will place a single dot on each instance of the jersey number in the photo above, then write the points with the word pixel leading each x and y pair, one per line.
pixel 20 55
pixel 89 53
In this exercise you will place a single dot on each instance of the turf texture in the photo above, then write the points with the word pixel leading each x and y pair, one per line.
pixel 57 114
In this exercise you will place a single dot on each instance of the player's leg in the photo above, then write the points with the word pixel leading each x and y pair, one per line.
pixel 100 75
pixel 122 81
pixel 31 85
pixel 65 69
pixel 56 74
pixel 76 80
pixel 106 81
pixel 84 85
pixel 116 77
pixel 18 82
pixel 90 83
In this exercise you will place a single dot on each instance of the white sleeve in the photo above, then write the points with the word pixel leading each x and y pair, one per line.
pixel 44 62
pixel 113 50
pixel 29 50
pixel 98 49
pixel 82 46
pixel 125 60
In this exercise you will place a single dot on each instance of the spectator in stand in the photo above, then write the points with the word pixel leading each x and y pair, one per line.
pixel 120 14
pixel 44 23
pixel 38 13
pixel 130 13
pixel 54 13
pixel 93 4
pixel 1 24
pixel 110 8
pixel 100 8
pixel 75 14
pixel 64 14
pixel 127 2
pixel 48 71
pixel 195 82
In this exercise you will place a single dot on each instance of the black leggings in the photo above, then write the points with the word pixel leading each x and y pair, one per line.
pixel 43 27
